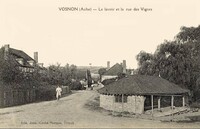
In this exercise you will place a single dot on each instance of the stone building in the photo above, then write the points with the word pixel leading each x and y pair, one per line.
pixel 137 93
pixel 112 72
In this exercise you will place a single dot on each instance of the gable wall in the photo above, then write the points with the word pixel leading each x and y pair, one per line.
pixel 135 104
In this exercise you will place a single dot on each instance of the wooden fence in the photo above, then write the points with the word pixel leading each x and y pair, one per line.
pixel 16 97
pixel 11 97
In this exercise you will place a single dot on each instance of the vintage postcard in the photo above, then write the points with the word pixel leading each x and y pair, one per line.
pixel 99 64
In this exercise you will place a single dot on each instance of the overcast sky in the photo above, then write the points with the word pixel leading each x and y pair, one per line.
pixel 80 38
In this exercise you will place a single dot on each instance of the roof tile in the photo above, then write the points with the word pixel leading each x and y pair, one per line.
pixel 142 85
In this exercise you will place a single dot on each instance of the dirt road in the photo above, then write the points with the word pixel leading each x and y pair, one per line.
pixel 71 112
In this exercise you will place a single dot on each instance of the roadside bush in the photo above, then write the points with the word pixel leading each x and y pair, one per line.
pixel 76 85
pixel 195 105
pixel 45 93
pixel 196 96
pixel 121 75
pixel 108 81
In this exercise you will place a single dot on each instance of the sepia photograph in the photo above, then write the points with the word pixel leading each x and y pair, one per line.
pixel 99 64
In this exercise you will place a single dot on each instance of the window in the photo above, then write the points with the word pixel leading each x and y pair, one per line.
pixel 31 70
pixel 118 99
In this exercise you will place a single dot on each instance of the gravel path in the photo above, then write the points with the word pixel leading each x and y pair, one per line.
pixel 70 111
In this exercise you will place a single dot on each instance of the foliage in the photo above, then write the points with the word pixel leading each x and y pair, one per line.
pixel 195 105
pixel 108 81
pixel 175 61
pixel 89 78
pixel 76 85
pixel 121 75
pixel 101 71
pixel 145 62
pixel 61 75
pixel 81 74
pixel 9 72
pixel 189 34
pixel 55 74
pixel 46 92
pixel 67 75
pixel 73 71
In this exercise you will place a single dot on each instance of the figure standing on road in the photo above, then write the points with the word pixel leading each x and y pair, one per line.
pixel 58 92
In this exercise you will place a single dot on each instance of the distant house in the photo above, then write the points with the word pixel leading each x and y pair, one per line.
pixel 95 77
pixel 114 71
pixel 137 93
pixel 14 95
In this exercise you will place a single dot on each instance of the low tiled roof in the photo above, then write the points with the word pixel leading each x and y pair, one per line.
pixel 142 85
pixel 114 70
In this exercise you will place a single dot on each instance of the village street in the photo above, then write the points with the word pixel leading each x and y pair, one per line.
pixel 70 111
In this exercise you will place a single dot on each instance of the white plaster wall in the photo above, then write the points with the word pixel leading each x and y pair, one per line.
pixel 105 77
pixel 135 104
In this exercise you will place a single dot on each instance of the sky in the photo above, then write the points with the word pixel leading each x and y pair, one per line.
pixel 84 37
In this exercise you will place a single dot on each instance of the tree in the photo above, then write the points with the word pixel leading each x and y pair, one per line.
pixel 73 71
pixel 55 74
pixel 145 63
pixel 188 34
pixel 89 78
pixel 59 75
pixel 101 71
pixel 76 85
pixel 9 71
pixel 121 75
pixel 173 62
pixel 177 61
pixel 190 37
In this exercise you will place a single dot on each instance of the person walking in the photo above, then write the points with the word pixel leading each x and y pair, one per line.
pixel 58 92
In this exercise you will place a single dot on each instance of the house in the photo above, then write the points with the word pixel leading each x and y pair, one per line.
pixel 15 94
pixel 22 60
pixel 114 71
pixel 137 93
pixel 95 77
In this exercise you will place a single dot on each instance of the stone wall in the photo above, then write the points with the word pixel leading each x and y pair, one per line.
pixel 106 101
pixel 135 104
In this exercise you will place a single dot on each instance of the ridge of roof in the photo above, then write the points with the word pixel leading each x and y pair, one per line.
pixel 114 70
pixel 142 85
pixel 20 53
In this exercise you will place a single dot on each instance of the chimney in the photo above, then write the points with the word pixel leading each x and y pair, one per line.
pixel 6 51
pixel 36 56
pixel 108 64
pixel 124 66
